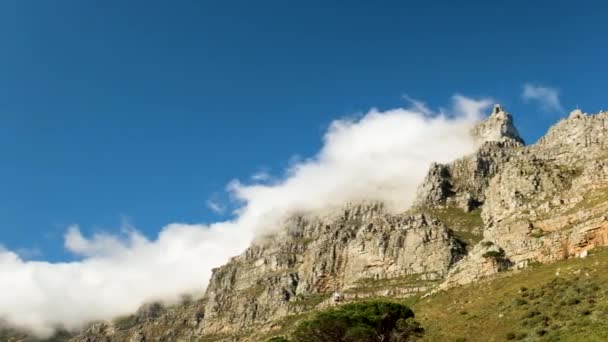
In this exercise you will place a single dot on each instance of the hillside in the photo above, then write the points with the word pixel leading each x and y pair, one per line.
pixel 562 301
pixel 467 252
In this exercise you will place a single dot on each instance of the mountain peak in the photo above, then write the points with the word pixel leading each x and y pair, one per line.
pixel 498 126
pixel 576 114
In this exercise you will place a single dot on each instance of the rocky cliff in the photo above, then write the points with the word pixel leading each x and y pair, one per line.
pixel 504 207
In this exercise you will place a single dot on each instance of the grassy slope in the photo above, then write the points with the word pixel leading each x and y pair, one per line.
pixel 533 304
pixel 467 226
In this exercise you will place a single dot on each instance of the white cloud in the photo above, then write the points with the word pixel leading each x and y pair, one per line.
pixel 260 176
pixel 546 97
pixel 417 105
pixel 29 253
pixel 216 206
pixel 115 277
pixel 383 156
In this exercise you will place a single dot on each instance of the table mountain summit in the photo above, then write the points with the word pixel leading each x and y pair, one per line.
pixel 499 126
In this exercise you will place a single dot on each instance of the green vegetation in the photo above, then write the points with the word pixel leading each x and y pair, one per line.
pixel 532 305
pixel 13 335
pixel 377 320
pixel 562 307
pixel 467 226
pixel 494 254
pixel 369 285
pixel 9 334
pixel 591 200
pixel 537 233
pixel 253 291
pixel 287 325
pixel 125 322
pixel 310 301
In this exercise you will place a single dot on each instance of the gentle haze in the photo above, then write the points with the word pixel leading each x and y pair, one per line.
pixel 129 129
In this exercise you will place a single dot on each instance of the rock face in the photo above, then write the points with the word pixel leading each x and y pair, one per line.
pixel 498 126
pixel 503 207
pixel 463 183
pixel 313 259
pixel 356 252
pixel 548 201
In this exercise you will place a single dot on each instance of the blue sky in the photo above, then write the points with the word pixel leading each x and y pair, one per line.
pixel 144 110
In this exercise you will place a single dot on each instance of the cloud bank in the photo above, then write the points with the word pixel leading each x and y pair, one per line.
pixel 546 97
pixel 381 156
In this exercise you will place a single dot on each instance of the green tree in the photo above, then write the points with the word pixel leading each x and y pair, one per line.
pixel 370 321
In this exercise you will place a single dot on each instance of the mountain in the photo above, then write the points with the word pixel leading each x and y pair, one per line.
pixel 498 211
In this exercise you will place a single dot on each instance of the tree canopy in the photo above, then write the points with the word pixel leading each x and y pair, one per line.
pixel 370 321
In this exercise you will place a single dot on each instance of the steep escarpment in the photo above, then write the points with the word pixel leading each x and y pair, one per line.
pixel 548 201
pixel 350 254
pixel 463 183
pixel 554 174
pixel 503 207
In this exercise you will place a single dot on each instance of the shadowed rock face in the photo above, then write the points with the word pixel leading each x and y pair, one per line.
pixel 510 204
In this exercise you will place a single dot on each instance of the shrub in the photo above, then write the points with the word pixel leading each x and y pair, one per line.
pixel 531 314
pixel 364 321
pixel 277 339
pixel 572 301
pixel 493 254
pixel 125 322
pixel 537 234
pixel 519 302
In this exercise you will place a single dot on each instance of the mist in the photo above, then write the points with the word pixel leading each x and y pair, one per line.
pixel 382 155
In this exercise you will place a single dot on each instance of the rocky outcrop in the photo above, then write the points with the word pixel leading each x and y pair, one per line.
pixel 499 126
pixel 354 252
pixel 351 253
pixel 152 322
pixel 503 207
pixel 578 138
pixel 548 202
pixel 463 183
